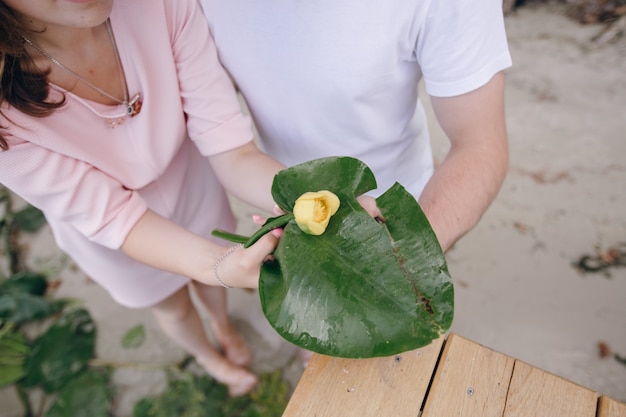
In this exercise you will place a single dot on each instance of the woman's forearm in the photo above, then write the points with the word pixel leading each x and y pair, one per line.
pixel 162 244
pixel 247 173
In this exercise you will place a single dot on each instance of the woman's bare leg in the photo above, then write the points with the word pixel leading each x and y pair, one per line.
pixel 214 300
pixel 179 319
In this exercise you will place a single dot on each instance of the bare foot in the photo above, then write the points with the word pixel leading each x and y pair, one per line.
pixel 243 385
pixel 234 345
pixel 239 381
pixel 305 357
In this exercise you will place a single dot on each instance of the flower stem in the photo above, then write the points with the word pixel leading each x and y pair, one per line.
pixel 271 224
pixel 231 237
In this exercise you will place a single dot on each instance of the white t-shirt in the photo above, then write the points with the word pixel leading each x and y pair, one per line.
pixel 340 77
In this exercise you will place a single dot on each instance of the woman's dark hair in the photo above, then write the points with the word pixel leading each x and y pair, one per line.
pixel 22 85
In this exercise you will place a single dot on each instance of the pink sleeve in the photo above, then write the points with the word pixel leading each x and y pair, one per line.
pixel 71 191
pixel 215 120
pixel 98 205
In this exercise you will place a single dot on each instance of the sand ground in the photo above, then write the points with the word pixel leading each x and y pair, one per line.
pixel 516 289
pixel 564 197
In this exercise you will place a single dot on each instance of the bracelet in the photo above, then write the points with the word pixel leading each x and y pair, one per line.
pixel 224 256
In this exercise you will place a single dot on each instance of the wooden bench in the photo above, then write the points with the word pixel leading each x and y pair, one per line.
pixel 451 377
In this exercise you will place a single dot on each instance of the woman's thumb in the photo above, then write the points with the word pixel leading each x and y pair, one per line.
pixel 264 247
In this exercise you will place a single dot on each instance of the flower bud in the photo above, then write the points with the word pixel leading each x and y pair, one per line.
pixel 312 211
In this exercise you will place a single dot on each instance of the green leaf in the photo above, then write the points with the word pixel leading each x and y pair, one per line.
pixel 22 298
pixel 143 407
pixel 9 374
pixel 25 282
pixel 185 396
pixel 21 307
pixel 61 353
pixel 29 219
pixel 268 399
pixel 134 337
pixel 188 395
pixel 86 395
pixel 345 177
pixel 271 396
pixel 362 288
pixel 13 351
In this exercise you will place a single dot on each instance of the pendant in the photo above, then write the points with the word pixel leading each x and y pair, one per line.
pixel 133 107
pixel 115 122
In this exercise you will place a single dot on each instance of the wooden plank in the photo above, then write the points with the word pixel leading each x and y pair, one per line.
pixel 608 407
pixel 388 386
pixel 534 392
pixel 471 380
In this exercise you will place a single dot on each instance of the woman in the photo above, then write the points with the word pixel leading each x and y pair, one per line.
pixel 118 122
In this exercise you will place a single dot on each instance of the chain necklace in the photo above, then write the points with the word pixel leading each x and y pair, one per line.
pixel 132 106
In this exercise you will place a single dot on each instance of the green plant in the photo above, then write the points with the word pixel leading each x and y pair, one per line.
pixel 61 360
pixel 57 360
pixel 190 395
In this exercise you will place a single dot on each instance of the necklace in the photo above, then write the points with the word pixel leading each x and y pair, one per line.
pixel 132 106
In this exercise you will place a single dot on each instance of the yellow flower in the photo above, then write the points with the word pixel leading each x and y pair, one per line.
pixel 312 211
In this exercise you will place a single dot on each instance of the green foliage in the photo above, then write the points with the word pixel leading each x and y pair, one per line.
pixel 269 399
pixel 86 395
pixel 21 307
pixel 188 395
pixel 365 287
pixel 59 359
pixel 29 219
pixel 25 282
pixel 61 353
pixel 22 298
pixel 13 351
pixel 56 360
pixel 134 337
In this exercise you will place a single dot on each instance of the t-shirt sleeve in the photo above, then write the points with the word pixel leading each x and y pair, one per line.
pixel 215 120
pixel 72 191
pixel 461 45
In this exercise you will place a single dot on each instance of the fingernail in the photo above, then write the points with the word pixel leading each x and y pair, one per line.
pixel 277 232
pixel 256 218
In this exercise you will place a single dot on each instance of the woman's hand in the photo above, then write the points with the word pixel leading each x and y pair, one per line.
pixel 162 244
pixel 238 267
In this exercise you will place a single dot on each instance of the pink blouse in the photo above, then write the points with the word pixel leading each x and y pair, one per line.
pixel 94 182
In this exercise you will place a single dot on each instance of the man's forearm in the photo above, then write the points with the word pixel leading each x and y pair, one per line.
pixel 469 178
pixel 461 190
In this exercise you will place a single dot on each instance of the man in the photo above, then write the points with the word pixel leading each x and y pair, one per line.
pixel 324 78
